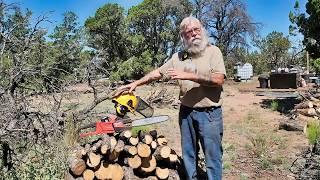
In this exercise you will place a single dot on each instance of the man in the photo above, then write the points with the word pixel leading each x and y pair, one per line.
pixel 200 72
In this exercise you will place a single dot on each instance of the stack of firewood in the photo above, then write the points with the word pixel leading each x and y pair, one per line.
pixel 304 112
pixel 146 156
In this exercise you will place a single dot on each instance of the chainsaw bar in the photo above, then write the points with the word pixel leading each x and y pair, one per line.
pixel 150 120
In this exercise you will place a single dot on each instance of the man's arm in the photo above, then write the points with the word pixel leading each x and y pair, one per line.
pixel 215 80
pixel 152 76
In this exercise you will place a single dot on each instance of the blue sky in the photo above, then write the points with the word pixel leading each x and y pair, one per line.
pixel 273 14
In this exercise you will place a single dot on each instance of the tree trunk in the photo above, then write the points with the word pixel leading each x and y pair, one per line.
pixel 290 125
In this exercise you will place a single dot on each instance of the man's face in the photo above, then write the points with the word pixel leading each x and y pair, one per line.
pixel 192 33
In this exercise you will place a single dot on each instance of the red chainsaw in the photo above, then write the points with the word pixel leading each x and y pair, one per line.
pixel 123 103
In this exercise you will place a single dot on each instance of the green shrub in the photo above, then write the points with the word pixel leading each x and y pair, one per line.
pixel 274 105
pixel 133 68
pixel 42 162
pixel 316 65
pixel 313 132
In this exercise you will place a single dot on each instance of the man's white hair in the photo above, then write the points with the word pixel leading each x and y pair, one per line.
pixel 193 48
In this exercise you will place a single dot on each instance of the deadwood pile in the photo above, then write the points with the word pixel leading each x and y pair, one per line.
pixel 307 165
pixel 161 97
pixel 306 111
pixel 123 156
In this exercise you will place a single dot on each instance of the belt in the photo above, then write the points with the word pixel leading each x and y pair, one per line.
pixel 203 108
pixel 207 108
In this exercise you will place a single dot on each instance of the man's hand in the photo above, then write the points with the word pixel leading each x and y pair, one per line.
pixel 182 75
pixel 126 88
pixel 152 76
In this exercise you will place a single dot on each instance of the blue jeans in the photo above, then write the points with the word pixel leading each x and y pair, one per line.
pixel 205 125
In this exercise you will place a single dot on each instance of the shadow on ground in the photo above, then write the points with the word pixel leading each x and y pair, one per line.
pixel 284 105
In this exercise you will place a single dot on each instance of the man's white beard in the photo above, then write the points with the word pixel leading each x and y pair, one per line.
pixel 196 46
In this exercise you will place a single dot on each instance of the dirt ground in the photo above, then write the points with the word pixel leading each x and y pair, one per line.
pixel 254 148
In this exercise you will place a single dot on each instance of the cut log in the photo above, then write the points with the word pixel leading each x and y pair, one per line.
pixel 307 112
pixel 125 135
pixel 162 152
pixel 148 164
pixel 96 146
pixel 134 141
pixel 87 148
pixel 147 139
pixel 113 143
pixel 93 160
pixel 162 173
pixel 162 140
pixel 114 157
pixel 117 172
pixel 304 105
pixel 77 152
pixel 120 145
pixel 105 147
pixel 290 125
pixel 131 150
pixel 143 150
pixel 116 150
pixel 313 99
pixel 317 110
pixel 83 152
pixel 77 166
pixel 173 158
pixel 88 174
pixel 141 135
pixel 134 162
pixel 153 133
pixel 153 145
pixel 104 171
pixel 304 118
pixel 106 138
